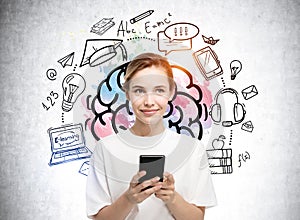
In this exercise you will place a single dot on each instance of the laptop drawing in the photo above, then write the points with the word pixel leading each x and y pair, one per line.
pixel 67 144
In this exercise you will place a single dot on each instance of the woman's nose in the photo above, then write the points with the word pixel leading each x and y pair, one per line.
pixel 149 99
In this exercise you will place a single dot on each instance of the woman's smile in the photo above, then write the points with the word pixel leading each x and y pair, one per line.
pixel 149 112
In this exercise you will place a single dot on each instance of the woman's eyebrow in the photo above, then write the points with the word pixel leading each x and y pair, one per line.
pixel 137 86
pixel 142 87
pixel 160 86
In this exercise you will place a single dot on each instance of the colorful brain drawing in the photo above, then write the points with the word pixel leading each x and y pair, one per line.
pixel 187 112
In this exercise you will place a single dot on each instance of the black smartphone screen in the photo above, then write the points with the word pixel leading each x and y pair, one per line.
pixel 153 165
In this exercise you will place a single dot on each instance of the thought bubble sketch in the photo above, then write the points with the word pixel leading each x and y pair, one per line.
pixel 186 112
pixel 177 37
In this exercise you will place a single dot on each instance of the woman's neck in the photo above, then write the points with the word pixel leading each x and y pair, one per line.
pixel 147 130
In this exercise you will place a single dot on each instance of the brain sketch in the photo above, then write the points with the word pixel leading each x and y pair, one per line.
pixel 187 112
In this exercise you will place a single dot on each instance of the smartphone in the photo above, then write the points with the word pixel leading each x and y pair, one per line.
pixel 208 63
pixel 153 165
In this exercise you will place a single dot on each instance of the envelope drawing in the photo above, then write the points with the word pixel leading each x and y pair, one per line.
pixel 249 92
pixel 84 169
pixel 247 126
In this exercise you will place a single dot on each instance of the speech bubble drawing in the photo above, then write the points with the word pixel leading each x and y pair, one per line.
pixel 167 46
pixel 181 31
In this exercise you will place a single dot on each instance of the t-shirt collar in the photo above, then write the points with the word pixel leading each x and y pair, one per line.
pixel 141 142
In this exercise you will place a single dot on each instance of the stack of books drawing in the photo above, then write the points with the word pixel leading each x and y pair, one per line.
pixel 220 161
pixel 102 26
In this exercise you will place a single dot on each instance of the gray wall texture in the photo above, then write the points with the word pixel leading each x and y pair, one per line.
pixel 264 35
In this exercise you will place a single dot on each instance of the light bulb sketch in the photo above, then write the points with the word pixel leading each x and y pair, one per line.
pixel 73 85
pixel 235 67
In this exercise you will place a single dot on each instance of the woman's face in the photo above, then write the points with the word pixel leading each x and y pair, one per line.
pixel 149 93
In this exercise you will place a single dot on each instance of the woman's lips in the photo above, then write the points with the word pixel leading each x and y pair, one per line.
pixel 149 112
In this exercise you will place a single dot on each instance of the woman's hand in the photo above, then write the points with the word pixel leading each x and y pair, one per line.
pixel 167 191
pixel 135 194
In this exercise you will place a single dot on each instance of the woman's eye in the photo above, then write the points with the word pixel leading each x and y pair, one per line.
pixel 160 91
pixel 138 91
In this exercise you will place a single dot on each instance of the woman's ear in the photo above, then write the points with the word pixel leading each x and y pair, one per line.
pixel 172 92
pixel 127 95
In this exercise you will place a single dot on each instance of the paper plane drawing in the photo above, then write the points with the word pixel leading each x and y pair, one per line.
pixel 209 40
pixel 67 60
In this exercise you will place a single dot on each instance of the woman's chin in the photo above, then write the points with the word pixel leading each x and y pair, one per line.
pixel 152 120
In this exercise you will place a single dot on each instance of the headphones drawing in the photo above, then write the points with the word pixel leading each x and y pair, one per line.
pixel 238 109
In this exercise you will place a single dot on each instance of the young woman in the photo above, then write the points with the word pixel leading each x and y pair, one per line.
pixel 113 188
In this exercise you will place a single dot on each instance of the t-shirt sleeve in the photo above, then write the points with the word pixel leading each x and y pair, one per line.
pixel 204 190
pixel 97 193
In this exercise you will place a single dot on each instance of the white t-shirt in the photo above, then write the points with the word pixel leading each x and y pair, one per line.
pixel 116 160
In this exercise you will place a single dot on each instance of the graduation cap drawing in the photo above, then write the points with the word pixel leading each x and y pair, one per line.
pixel 67 60
pixel 98 51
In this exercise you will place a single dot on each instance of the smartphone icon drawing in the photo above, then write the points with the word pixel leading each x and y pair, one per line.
pixel 208 63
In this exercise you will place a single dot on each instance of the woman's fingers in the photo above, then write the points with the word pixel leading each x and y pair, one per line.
pixel 147 183
pixel 167 192
pixel 136 177
pixel 164 192
pixel 151 190
pixel 138 192
pixel 169 177
pixel 166 196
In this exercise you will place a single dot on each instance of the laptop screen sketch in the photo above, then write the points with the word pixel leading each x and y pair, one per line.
pixel 67 144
